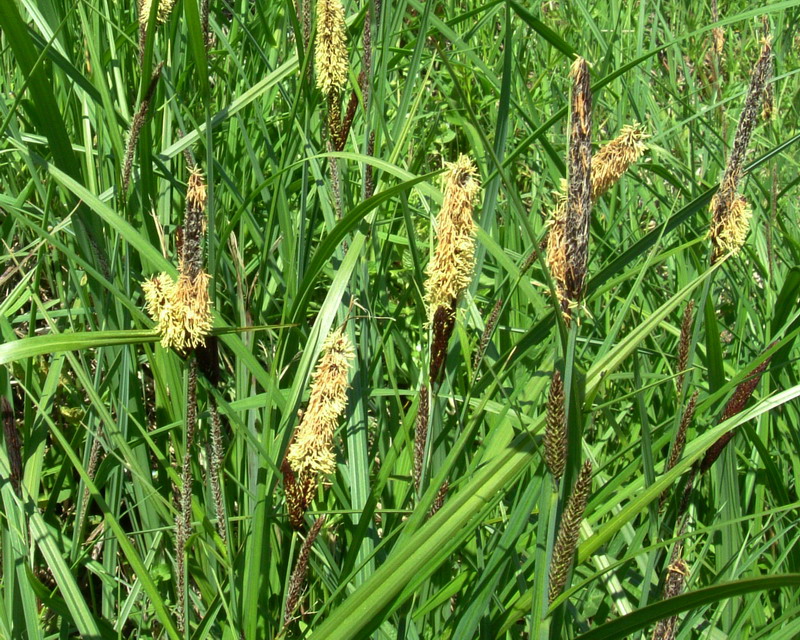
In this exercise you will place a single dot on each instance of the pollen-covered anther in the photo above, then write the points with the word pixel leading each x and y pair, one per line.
pixel 613 159
pixel 311 452
pixel 729 229
pixel 196 195
pixel 181 310
pixel 330 51
pixel 162 13
pixel 450 269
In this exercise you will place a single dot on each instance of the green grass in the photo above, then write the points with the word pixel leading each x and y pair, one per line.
pixel 81 362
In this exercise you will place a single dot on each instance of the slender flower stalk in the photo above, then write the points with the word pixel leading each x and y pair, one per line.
pixel 136 128
pixel 729 212
pixel 568 531
pixel 311 452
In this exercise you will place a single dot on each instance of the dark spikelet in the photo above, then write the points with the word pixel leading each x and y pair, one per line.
pixel 555 435
pixel 335 120
pixel 296 496
pixel 568 531
pixel 438 501
pixel 683 344
pixel 91 470
pixel 715 450
pixel 687 492
pixel 717 33
pixel 364 77
pixel 735 405
pixel 679 443
pixel 579 186
pixel 298 579
pixel 743 392
pixel 217 459
pixel 347 122
pixel 487 334
pixel 444 321
pixel 336 183
pixel 677 571
pixel 725 198
pixel 421 435
pixel 680 437
pixel 184 520
pixel 136 127
pixel 769 101
pixel 208 360
pixel 306 22
pixel 529 260
pixel 13 444
pixel 369 174
pixel 204 14
pixel 194 224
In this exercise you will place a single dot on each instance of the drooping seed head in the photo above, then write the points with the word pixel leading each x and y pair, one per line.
pixel 330 50
pixel 450 269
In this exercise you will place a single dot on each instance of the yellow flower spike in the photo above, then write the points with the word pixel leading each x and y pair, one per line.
pixel 450 269
pixel 330 52
pixel 162 13
pixel 311 452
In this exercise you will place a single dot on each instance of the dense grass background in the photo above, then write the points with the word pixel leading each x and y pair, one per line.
pixel 82 367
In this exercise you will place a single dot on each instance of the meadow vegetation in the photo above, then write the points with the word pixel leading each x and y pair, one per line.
pixel 399 319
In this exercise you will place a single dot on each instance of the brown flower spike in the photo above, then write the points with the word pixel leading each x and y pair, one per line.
pixel 579 184
pixel 568 531
pixel 607 166
pixel 555 435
